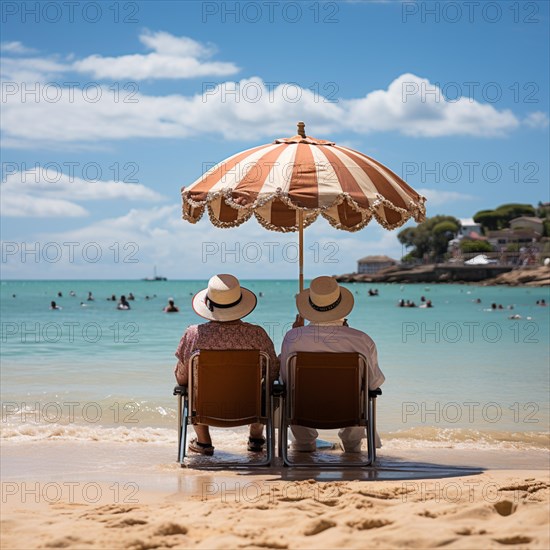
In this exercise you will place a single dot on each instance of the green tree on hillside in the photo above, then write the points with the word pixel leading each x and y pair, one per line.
pixel 543 212
pixel 500 217
pixel 468 246
pixel 430 237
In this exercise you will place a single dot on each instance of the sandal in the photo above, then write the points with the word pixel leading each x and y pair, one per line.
pixel 256 444
pixel 196 446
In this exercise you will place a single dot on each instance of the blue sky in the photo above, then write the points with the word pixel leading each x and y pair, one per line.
pixel 133 100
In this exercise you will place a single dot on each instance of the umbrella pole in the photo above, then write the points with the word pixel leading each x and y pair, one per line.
pixel 301 247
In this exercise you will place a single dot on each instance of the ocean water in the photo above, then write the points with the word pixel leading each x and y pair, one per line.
pixel 458 373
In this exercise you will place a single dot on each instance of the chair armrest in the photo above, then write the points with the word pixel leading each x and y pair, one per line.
pixel 278 389
pixel 373 394
pixel 180 390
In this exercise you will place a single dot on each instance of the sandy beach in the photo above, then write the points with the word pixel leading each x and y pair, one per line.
pixel 412 499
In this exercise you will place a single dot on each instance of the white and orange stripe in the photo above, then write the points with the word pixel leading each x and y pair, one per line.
pixel 275 181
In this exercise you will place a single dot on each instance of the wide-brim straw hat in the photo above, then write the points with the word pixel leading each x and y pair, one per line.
pixel 324 300
pixel 224 299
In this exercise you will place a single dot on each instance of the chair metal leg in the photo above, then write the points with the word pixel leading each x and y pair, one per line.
pixel 283 436
pixel 179 427
pixel 371 439
pixel 270 432
pixel 373 417
pixel 182 438
pixel 280 428
pixel 270 437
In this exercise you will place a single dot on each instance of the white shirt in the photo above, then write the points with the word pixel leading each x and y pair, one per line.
pixel 332 338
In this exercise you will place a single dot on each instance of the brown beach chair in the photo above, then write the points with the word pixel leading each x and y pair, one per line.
pixel 327 391
pixel 226 388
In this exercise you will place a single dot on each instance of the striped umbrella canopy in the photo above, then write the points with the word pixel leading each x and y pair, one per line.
pixel 287 184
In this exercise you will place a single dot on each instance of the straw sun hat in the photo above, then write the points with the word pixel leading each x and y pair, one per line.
pixel 324 300
pixel 224 299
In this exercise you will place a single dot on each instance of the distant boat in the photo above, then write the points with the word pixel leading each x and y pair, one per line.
pixel 155 277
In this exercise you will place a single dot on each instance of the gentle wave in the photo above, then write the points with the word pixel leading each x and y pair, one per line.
pixel 75 432
pixel 460 438
pixel 109 412
pixel 422 437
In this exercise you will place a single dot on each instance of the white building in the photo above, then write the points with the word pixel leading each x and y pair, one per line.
pixel 373 264
pixel 468 226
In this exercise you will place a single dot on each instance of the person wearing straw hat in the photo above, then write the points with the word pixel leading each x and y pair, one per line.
pixel 325 304
pixel 223 304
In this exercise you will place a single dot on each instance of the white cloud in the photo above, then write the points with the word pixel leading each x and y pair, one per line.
pixel 137 224
pixel 154 236
pixel 256 111
pixel 172 57
pixel 437 198
pixel 16 72
pixel 50 193
pixel 414 107
pixel 24 205
pixel 175 45
pixel 136 237
pixel 538 119
pixel 15 47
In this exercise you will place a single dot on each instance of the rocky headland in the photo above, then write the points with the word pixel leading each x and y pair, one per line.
pixel 450 273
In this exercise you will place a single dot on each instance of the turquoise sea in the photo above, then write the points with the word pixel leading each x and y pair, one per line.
pixel 458 372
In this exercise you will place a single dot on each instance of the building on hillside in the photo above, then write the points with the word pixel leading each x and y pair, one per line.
pixel 373 264
pixel 467 227
pixel 505 237
pixel 470 231
pixel 527 222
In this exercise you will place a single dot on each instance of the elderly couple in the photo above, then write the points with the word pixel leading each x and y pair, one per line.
pixel 324 304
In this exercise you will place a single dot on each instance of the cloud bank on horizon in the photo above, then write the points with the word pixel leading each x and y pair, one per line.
pixel 47 192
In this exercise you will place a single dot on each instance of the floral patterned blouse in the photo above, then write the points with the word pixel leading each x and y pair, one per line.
pixel 215 335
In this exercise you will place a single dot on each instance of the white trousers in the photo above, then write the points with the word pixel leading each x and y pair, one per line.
pixel 304 438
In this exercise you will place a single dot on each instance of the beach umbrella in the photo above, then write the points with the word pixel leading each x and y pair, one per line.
pixel 287 184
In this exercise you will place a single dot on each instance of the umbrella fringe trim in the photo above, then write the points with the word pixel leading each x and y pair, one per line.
pixel 416 210
pixel 219 223
pixel 188 217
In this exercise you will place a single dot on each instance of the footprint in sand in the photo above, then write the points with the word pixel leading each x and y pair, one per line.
pixel 169 529
pixel 329 502
pixel 428 514
pixel 269 543
pixel 531 486
pixel 65 542
pixel 371 523
pixel 467 531
pixel 67 505
pixel 110 509
pixel 505 507
pixel 126 522
pixel 110 514
pixel 318 526
pixel 386 495
pixel 518 539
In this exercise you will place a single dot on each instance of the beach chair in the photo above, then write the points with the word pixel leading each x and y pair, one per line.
pixel 226 388
pixel 328 391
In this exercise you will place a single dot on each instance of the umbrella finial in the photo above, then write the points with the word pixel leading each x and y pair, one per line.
pixel 302 129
